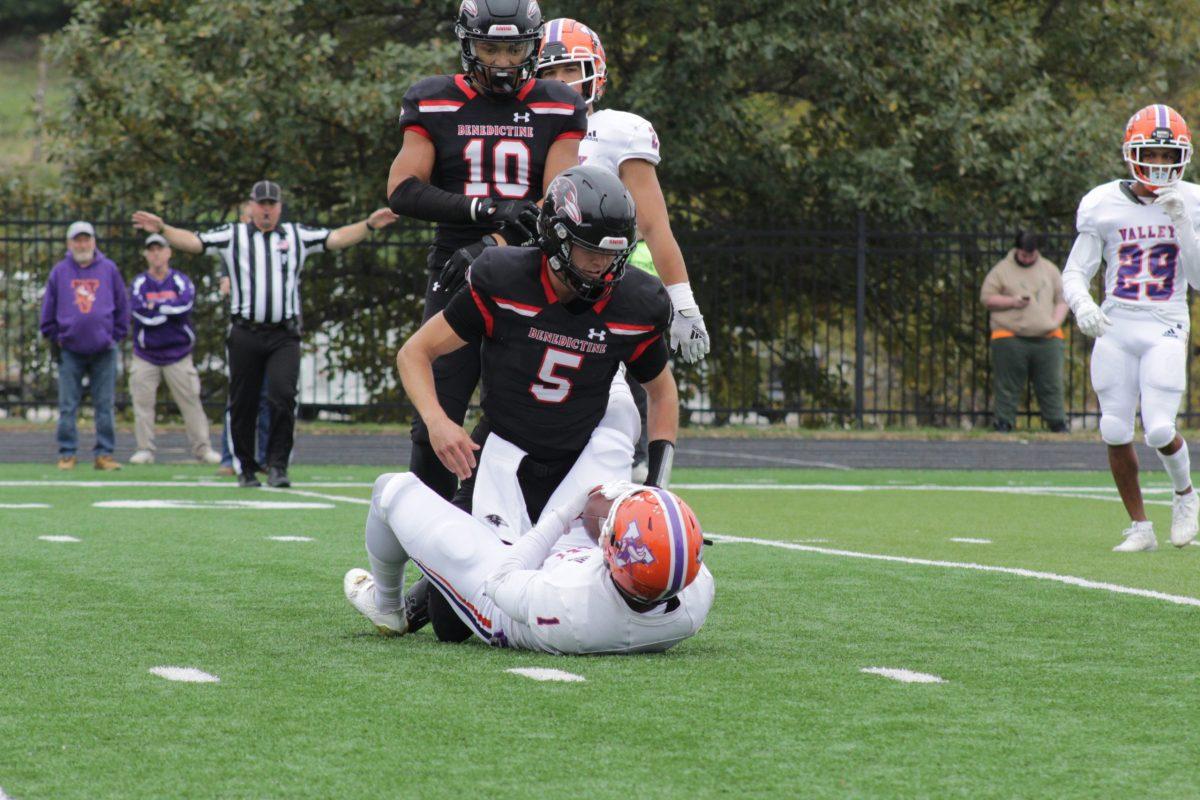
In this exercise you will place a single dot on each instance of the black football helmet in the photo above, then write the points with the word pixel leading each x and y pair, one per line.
pixel 509 23
pixel 587 206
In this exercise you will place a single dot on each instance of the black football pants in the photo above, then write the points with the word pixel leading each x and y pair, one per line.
pixel 255 355
pixel 454 376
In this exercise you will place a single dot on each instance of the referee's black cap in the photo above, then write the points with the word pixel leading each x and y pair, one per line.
pixel 266 190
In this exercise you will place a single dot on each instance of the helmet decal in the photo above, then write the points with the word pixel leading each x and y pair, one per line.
pixel 632 550
pixel 565 198
pixel 469 8
pixel 533 12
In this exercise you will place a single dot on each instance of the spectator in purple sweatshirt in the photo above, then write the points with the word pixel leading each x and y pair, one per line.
pixel 84 315
pixel 161 306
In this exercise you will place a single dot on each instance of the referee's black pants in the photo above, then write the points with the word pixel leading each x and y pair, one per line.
pixel 257 353
pixel 455 376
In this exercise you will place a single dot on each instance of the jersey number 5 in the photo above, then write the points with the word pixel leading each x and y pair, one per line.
pixel 554 388
pixel 1153 270
pixel 510 168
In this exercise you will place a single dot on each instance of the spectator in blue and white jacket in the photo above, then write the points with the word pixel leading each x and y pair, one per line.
pixel 161 300
pixel 85 313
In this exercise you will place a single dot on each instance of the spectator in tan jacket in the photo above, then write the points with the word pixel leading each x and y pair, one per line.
pixel 1024 295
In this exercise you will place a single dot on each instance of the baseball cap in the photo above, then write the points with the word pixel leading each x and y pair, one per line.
pixel 155 238
pixel 80 227
pixel 266 190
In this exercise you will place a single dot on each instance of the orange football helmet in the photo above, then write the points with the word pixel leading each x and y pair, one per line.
pixel 1157 126
pixel 651 542
pixel 570 42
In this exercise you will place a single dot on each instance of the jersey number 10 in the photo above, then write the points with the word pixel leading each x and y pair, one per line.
pixel 1152 270
pixel 510 168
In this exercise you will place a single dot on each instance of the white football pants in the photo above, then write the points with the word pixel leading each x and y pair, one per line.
pixel 1144 356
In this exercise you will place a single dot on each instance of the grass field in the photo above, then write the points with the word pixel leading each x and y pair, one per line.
pixel 1051 688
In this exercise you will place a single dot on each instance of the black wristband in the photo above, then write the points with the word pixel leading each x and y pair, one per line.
pixel 417 199
pixel 661 459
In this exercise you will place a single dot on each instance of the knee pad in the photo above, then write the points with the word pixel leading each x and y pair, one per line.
pixel 1115 431
pixel 1160 436
pixel 622 415
pixel 385 489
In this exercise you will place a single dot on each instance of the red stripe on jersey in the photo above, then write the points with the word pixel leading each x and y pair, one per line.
pixel 526 89
pixel 488 320
pixel 461 82
pixel 415 128
pixel 560 106
pixel 551 295
pixel 641 348
pixel 569 135
pixel 621 327
pixel 599 305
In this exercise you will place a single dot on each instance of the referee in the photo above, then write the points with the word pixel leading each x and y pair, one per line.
pixel 263 260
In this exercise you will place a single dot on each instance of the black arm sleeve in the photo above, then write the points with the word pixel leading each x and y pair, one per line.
pixel 468 315
pixel 417 199
pixel 647 364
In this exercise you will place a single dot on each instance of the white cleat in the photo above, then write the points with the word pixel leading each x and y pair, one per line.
pixel 1185 518
pixel 142 457
pixel 1139 538
pixel 210 457
pixel 360 591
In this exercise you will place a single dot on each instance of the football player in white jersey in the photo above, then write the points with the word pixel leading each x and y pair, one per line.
pixel 1143 229
pixel 627 145
pixel 643 589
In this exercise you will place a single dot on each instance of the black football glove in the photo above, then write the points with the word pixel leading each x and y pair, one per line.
pixel 516 219
pixel 454 271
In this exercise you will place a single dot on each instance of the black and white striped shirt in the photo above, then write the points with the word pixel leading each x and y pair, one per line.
pixel 264 268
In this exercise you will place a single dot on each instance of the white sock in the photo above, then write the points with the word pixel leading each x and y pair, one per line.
pixel 1179 467
pixel 387 559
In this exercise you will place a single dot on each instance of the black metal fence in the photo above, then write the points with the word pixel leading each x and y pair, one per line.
pixel 850 326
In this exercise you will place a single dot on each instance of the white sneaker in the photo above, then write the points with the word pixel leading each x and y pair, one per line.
pixel 360 591
pixel 142 457
pixel 1139 537
pixel 1185 518
pixel 210 457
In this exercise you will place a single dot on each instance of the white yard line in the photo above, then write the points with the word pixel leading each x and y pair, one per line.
pixel 782 460
pixel 24 505
pixel 903 675
pixel 337 497
pixel 58 539
pixel 185 674
pixel 167 484
pixel 290 538
pixel 213 505
pixel 969 540
pixel 1070 580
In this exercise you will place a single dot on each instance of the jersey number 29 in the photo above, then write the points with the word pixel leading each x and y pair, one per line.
pixel 1152 270
pixel 510 168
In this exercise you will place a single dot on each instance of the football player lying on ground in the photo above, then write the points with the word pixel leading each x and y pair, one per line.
pixel 644 589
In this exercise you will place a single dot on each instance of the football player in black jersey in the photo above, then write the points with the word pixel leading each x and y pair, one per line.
pixel 556 321
pixel 479 148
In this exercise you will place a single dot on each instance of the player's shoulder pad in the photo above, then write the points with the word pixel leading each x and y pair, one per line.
pixel 554 92
pixel 620 120
pixel 642 297
pixel 436 87
pixel 500 267
pixel 1093 201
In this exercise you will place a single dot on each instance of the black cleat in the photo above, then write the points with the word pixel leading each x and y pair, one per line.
pixel 277 478
pixel 416 605
pixel 248 480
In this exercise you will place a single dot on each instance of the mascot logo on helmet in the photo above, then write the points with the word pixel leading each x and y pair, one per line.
pixel 632 549
pixel 534 12
pixel 469 8
pixel 566 200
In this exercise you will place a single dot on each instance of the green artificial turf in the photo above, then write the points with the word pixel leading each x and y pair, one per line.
pixel 1051 690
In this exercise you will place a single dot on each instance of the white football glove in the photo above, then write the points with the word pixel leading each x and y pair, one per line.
pixel 688 334
pixel 1171 201
pixel 1092 321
